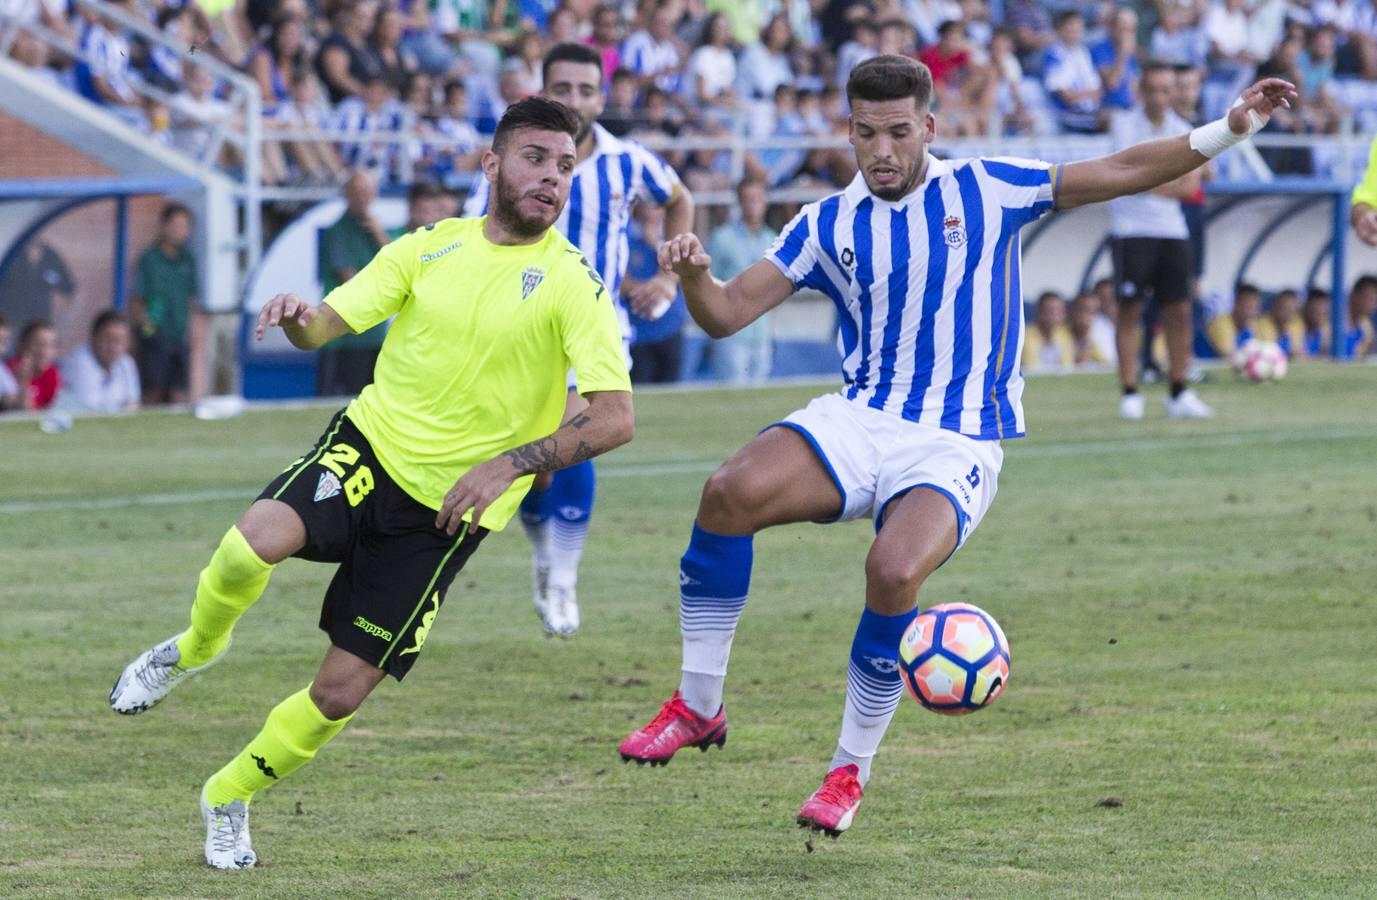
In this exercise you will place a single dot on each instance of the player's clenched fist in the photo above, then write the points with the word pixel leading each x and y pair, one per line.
pixel 284 308
pixel 684 256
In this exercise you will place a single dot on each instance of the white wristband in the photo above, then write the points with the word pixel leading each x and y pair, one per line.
pixel 1214 138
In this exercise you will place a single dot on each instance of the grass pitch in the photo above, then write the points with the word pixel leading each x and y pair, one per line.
pixel 1189 604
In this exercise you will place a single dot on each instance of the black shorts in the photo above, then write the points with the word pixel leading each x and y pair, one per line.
pixel 1152 268
pixel 395 566
pixel 162 363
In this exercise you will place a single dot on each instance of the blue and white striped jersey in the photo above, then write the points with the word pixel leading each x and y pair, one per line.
pixel 605 186
pixel 927 290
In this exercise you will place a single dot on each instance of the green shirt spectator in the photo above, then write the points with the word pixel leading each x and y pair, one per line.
pixel 345 366
pixel 345 248
pixel 165 287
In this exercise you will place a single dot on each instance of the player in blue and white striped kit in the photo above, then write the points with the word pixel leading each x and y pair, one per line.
pixel 921 258
pixel 610 177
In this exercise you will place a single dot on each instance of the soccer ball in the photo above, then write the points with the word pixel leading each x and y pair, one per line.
pixel 1260 361
pixel 954 658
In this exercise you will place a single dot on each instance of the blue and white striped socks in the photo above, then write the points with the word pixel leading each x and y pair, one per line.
pixel 873 688
pixel 714 578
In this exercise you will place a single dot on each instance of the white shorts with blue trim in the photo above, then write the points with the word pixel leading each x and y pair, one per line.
pixel 876 457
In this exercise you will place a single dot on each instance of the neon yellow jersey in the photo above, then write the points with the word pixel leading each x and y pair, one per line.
pixel 476 359
pixel 1366 191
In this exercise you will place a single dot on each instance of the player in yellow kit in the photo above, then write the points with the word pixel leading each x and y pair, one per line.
pixel 464 410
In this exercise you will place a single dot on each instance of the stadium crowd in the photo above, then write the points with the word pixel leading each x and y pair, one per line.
pixel 442 72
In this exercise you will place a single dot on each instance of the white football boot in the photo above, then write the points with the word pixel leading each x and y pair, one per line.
pixel 1188 405
pixel 562 614
pixel 1131 407
pixel 540 587
pixel 227 835
pixel 152 676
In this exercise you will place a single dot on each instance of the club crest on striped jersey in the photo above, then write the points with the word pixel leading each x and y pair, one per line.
pixel 530 280
pixel 328 486
pixel 952 232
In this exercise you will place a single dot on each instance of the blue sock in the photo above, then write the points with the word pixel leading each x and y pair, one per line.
pixel 570 504
pixel 873 688
pixel 714 579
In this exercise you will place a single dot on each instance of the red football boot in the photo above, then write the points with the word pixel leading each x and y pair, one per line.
pixel 834 805
pixel 673 727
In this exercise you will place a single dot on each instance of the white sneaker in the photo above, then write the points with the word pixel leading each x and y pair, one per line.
pixel 562 615
pixel 1188 405
pixel 540 587
pixel 227 835
pixel 1131 407
pixel 151 677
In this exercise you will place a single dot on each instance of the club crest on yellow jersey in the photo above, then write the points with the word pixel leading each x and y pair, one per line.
pixel 530 280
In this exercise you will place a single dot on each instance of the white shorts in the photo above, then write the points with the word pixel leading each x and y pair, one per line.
pixel 875 457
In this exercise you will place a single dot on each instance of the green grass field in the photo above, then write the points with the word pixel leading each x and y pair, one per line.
pixel 1191 709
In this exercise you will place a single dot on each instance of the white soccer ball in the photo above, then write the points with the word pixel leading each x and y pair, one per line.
pixel 1261 361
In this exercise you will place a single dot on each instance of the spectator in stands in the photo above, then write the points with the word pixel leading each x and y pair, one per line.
pixel 862 45
pixel 1048 345
pixel 747 356
pixel 607 37
pixel 1092 332
pixel 1069 75
pixel 620 116
pixel 1227 333
pixel 1362 306
pixel 1285 63
pixel 657 350
pixel 711 73
pixel 1116 59
pixel 526 62
pixel 346 364
pixel 33 367
pixel 161 66
pixel 1317 315
pixel 316 160
pixel 1283 324
pixel 37 285
pixel 462 153
pixel 378 110
pixel 1008 73
pixel 1186 104
pixel 1178 38
pixel 563 27
pixel 1321 110
pixel 100 376
pixel 199 120
pixel 659 117
pixel 655 54
pixel 103 72
pixel 161 305
pixel 964 89
pixel 1031 27
pixel 398 63
pixel 272 63
pixel 778 165
pixel 765 64
pixel 10 397
pixel 347 61
pixel 1226 28
pixel 423 42
pixel 897 37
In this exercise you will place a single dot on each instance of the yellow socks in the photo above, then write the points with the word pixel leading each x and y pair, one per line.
pixel 295 730
pixel 229 585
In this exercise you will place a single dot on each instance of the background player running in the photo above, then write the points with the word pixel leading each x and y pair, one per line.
pixel 405 483
pixel 921 258
pixel 610 177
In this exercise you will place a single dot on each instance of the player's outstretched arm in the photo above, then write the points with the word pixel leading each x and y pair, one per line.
pixel 607 423
pixel 1152 163
pixel 721 309
pixel 308 327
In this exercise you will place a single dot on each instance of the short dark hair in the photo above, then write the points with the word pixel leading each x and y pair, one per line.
pixel 623 73
pixel 582 54
pixel 1065 16
pixel 1315 294
pixel 175 209
pixel 890 77
pixel 1155 66
pixel 949 26
pixel 424 189
pixel 107 317
pixel 32 328
pixel 535 112
pixel 1366 281
pixel 751 181
pixel 1244 287
pixel 455 86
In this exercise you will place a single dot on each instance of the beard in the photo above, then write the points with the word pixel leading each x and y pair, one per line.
pixel 584 128
pixel 506 208
pixel 898 191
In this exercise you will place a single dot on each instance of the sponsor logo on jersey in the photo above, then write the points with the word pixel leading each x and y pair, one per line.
pixel 436 254
pixel 328 486
pixel 376 630
pixel 530 280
